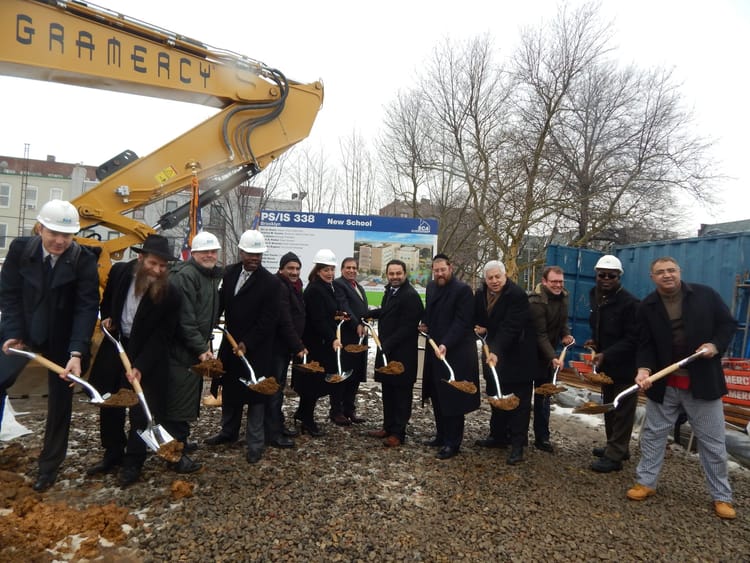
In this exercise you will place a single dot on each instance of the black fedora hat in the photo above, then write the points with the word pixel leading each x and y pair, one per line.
pixel 156 245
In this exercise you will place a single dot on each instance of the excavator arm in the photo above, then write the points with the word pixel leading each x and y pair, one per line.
pixel 261 113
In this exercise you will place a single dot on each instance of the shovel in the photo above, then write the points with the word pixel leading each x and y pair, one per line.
pixel 97 398
pixel 310 367
pixel 595 376
pixel 498 401
pixel 154 435
pixel 553 388
pixel 388 368
pixel 262 385
pixel 341 375
pixel 463 386
pixel 596 408
pixel 357 348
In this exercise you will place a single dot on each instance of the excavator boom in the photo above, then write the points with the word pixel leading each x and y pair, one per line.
pixel 260 112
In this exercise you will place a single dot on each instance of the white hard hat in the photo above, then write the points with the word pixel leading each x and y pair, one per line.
pixel 609 262
pixel 252 242
pixel 58 215
pixel 325 256
pixel 205 241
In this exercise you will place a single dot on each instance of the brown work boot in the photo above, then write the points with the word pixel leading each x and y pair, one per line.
pixel 640 492
pixel 724 510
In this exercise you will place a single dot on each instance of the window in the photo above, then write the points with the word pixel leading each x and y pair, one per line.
pixel 139 214
pixel 112 235
pixel 4 195
pixel 31 195
pixel 171 205
pixel 3 234
pixel 55 193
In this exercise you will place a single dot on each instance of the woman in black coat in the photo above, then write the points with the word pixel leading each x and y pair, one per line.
pixel 502 313
pixel 319 337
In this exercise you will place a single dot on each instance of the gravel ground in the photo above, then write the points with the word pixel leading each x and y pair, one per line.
pixel 344 497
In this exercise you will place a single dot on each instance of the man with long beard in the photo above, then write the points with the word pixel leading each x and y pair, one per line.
pixel 449 318
pixel 143 308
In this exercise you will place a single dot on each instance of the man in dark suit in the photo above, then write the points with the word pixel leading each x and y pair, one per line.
pixel 142 306
pixel 353 302
pixel 288 345
pixel 398 320
pixel 502 312
pixel 49 295
pixel 250 299
pixel 449 319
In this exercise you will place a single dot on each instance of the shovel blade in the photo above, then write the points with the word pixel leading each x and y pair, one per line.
pixel 147 435
pixel 594 408
pixel 338 377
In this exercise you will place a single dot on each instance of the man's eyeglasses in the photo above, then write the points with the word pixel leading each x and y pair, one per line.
pixel 607 276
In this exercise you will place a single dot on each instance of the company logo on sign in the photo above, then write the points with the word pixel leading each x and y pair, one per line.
pixel 423 227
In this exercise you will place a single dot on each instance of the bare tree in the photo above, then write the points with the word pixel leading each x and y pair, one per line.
pixel 356 191
pixel 623 148
pixel 311 179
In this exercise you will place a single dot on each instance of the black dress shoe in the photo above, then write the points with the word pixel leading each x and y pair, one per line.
pixel 185 465
pixel 290 432
pixel 434 443
pixel 544 446
pixel 515 457
pixel 106 465
pixel 128 475
pixel 599 452
pixel 219 439
pixel 354 419
pixel 189 447
pixel 253 456
pixel 44 482
pixel 340 420
pixel 282 442
pixel 606 465
pixel 447 452
pixel 491 442
pixel 312 429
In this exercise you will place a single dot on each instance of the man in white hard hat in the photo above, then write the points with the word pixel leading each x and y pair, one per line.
pixel 251 300
pixel 198 280
pixel 49 297
pixel 614 337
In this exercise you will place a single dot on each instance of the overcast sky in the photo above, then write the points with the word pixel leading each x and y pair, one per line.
pixel 365 52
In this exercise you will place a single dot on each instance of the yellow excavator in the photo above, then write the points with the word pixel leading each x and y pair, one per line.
pixel 262 113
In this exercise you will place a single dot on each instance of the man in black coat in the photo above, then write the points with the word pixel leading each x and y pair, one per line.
pixel 614 337
pixel 677 320
pixel 353 301
pixel 398 320
pixel 142 307
pixel 250 299
pixel 49 295
pixel 288 345
pixel 449 319
pixel 502 312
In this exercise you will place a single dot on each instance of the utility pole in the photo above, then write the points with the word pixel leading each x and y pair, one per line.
pixel 24 186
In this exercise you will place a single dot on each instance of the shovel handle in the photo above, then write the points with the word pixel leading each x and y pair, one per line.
pixel 233 343
pixel 675 366
pixel 435 347
pixel 49 364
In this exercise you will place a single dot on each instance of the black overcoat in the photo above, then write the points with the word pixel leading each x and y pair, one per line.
pixel 615 333
pixel 321 306
pixel 511 334
pixel 398 319
pixel 449 316
pixel 251 317
pixel 153 330
pixel 291 319
pixel 354 303
pixel 706 319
